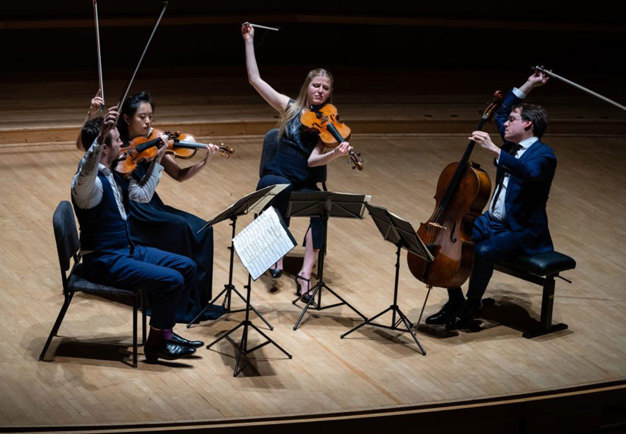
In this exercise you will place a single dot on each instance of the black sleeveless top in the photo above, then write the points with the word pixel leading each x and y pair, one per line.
pixel 294 148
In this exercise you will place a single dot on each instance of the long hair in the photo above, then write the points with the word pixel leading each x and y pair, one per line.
pixel 129 108
pixel 295 109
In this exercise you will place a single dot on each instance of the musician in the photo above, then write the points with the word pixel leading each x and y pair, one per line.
pixel 158 225
pixel 516 221
pixel 298 151
pixel 101 197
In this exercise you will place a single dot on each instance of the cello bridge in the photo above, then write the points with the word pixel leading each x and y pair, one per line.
pixel 437 225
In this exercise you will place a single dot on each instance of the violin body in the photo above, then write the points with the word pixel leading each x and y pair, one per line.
pixel 180 145
pixel 325 121
pixel 448 232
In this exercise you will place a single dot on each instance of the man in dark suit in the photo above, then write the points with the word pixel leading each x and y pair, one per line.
pixel 516 222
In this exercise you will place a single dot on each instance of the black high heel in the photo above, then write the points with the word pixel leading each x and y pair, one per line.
pixel 275 272
pixel 303 295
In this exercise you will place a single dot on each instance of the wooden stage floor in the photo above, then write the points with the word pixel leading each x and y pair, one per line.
pixel 87 380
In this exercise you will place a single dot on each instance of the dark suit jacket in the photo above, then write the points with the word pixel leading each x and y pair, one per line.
pixel 528 188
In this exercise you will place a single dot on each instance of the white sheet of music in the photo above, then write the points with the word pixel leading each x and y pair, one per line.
pixel 263 242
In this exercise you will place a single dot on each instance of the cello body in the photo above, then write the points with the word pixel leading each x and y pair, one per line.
pixel 463 189
pixel 448 232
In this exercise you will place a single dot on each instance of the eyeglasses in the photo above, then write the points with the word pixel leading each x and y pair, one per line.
pixel 511 119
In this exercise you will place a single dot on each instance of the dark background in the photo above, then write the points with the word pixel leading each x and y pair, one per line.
pixel 576 41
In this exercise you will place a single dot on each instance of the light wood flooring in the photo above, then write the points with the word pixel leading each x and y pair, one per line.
pixel 87 381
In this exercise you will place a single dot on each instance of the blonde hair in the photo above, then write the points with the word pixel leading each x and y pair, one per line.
pixel 295 108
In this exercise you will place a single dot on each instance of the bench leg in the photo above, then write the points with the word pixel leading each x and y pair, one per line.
pixel 547 304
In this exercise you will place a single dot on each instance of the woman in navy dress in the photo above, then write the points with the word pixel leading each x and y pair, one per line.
pixel 298 151
pixel 158 225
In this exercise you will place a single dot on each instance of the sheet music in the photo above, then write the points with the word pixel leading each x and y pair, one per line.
pixel 263 242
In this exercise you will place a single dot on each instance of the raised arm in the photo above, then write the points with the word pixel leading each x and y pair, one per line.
pixel 94 109
pixel 277 100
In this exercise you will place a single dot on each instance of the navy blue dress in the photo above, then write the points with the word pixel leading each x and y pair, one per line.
pixel 290 166
pixel 158 225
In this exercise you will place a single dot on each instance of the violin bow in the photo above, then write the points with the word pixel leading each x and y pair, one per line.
pixel 578 86
pixel 259 26
pixel 132 78
pixel 100 80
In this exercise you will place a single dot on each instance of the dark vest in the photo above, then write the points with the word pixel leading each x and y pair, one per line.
pixel 102 227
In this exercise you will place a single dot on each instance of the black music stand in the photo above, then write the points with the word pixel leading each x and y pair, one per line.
pixel 254 201
pixel 257 257
pixel 400 233
pixel 325 204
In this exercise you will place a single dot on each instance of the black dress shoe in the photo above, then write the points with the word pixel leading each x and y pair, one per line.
pixel 464 317
pixel 168 350
pixel 182 341
pixel 445 315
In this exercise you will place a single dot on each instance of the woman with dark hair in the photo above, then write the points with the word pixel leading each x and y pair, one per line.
pixel 298 151
pixel 158 225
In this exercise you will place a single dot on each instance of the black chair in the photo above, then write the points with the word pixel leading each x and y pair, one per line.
pixel 270 148
pixel 67 243
pixel 540 269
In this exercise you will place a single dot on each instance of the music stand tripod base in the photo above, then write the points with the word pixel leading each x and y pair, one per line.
pixel 241 348
pixel 324 204
pixel 402 234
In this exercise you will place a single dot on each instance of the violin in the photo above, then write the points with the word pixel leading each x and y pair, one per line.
pixel 325 121
pixel 462 191
pixel 142 148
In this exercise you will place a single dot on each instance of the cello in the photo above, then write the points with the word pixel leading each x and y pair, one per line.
pixel 463 190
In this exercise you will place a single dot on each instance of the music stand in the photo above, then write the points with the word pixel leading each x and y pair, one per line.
pixel 400 233
pixel 325 204
pixel 251 202
pixel 259 246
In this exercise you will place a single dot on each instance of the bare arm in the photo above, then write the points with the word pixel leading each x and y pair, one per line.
pixel 320 158
pixel 182 174
pixel 277 100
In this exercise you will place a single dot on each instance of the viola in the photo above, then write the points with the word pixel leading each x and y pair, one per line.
pixel 463 190
pixel 145 148
pixel 325 121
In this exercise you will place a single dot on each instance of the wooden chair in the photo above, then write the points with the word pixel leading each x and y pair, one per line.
pixel 67 243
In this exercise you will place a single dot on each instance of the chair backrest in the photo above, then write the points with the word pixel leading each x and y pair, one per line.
pixel 270 148
pixel 65 234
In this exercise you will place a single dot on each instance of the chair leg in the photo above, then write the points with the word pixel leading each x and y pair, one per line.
pixel 135 305
pixel 547 305
pixel 143 318
pixel 57 323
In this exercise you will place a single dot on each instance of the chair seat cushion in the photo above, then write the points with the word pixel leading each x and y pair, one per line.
pixel 541 264
pixel 78 283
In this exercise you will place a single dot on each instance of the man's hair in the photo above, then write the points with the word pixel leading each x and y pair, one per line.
pixel 537 115
pixel 91 130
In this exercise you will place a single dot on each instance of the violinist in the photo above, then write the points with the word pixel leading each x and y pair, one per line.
pixel 298 151
pixel 516 221
pixel 100 197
